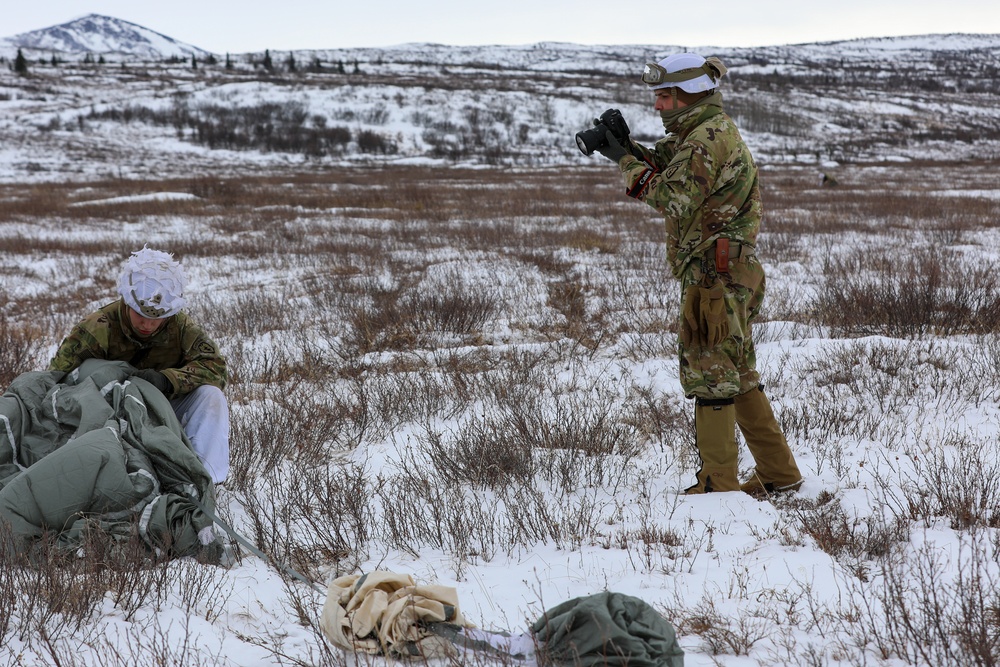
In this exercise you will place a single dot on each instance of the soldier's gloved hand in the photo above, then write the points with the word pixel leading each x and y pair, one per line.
pixel 157 379
pixel 613 150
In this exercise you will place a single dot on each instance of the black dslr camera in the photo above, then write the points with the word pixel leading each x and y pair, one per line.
pixel 611 120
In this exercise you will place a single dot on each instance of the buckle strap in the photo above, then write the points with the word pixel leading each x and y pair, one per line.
pixel 739 250
pixel 726 250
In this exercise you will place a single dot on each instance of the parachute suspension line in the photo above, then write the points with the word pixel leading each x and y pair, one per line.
pixel 250 546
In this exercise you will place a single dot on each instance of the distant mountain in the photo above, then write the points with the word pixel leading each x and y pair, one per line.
pixel 98 34
pixel 921 98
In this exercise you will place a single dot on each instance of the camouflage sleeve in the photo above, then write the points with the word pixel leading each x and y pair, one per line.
pixel 677 190
pixel 203 363
pixel 77 347
pixel 644 154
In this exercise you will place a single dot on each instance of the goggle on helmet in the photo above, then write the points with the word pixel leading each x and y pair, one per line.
pixel 687 71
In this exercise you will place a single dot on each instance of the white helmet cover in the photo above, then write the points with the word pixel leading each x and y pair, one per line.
pixel 152 284
pixel 687 63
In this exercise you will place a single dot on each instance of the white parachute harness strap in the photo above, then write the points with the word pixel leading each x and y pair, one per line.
pixel 12 441
pixel 115 516
pixel 110 386
pixel 55 410
pixel 152 284
pixel 137 399
pixel 147 514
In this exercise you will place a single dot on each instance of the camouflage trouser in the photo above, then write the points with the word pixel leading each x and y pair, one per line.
pixel 728 369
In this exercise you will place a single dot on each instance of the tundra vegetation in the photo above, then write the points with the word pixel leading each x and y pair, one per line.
pixel 458 368
pixel 494 331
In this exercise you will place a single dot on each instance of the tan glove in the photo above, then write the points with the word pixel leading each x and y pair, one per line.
pixel 714 318
pixel 704 319
pixel 690 317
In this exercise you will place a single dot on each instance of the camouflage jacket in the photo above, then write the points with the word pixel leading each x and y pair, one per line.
pixel 702 179
pixel 180 350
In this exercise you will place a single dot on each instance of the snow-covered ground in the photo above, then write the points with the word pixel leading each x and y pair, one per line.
pixel 462 368
pixel 932 97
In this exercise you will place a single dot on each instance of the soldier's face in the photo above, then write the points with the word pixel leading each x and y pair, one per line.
pixel 667 102
pixel 144 326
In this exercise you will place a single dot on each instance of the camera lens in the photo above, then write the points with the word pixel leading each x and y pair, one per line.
pixel 590 140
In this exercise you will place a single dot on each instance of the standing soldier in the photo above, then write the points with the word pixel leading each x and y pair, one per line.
pixel 146 328
pixel 703 180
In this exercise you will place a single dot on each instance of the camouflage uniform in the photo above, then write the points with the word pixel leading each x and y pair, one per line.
pixel 180 349
pixel 703 180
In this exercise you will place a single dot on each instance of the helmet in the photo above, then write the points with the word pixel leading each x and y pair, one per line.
pixel 687 71
pixel 152 284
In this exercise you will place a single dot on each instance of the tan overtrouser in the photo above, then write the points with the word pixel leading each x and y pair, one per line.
pixel 715 434
pixel 775 468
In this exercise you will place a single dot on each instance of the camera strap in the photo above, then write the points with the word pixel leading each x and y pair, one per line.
pixel 638 188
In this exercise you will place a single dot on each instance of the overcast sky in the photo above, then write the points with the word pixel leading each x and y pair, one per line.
pixel 252 25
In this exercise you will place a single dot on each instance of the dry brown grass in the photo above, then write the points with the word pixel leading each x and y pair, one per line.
pixel 461 311
pixel 904 202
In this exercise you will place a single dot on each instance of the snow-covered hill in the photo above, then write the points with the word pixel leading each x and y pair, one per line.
pixel 933 97
pixel 105 35
pixel 467 371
